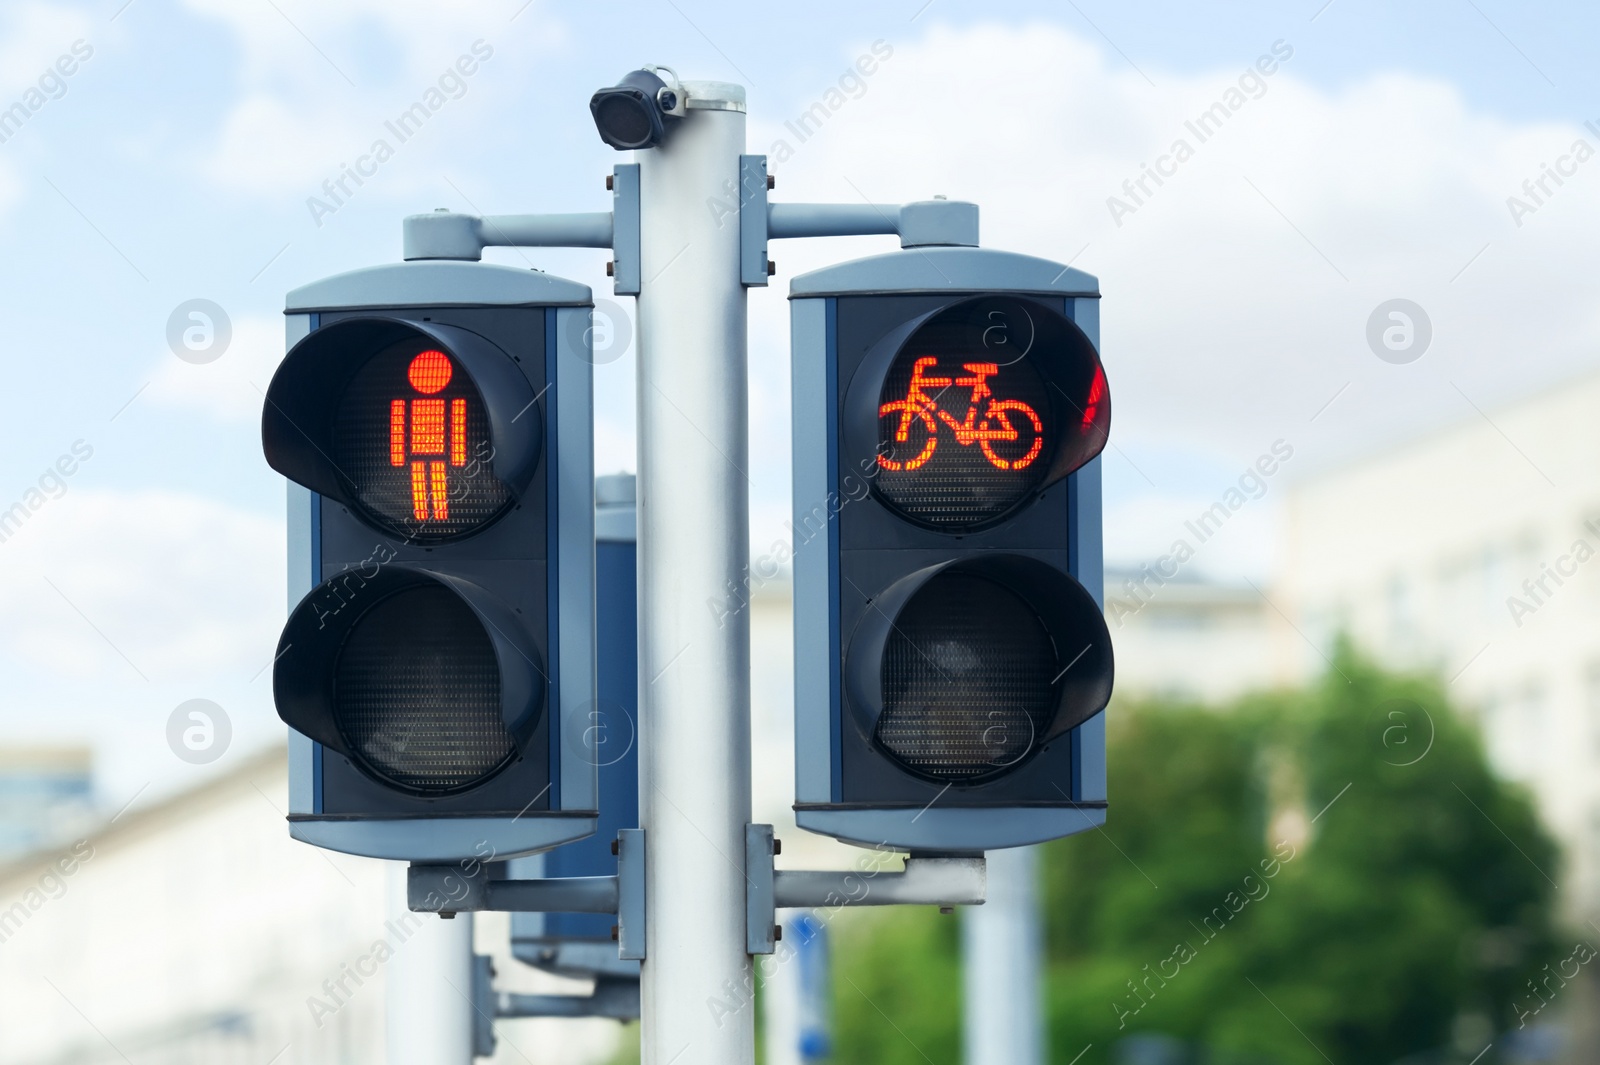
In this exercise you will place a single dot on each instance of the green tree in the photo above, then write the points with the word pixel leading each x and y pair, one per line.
pixel 1324 874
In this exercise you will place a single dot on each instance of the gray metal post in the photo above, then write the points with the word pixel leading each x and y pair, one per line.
pixel 427 984
pixel 1001 944
pixel 694 667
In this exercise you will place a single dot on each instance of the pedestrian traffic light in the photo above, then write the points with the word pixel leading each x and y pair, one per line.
pixel 951 658
pixel 434 420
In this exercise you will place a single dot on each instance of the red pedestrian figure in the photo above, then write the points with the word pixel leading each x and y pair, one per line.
pixel 433 432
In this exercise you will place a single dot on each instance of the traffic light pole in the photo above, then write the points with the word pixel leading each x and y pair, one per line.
pixel 1001 946
pixel 428 1014
pixel 694 668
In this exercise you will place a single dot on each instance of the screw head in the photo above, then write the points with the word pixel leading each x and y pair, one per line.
pixel 777 932
pixel 611 182
pixel 447 915
pixel 616 846
pixel 947 910
pixel 616 933
pixel 611 269
pixel 772 267
pixel 772 182
pixel 777 846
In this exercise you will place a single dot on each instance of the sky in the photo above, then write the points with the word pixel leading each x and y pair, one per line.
pixel 179 158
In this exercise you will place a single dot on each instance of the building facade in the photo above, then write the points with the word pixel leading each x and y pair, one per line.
pixel 194 931
pixel 1471 553
pixel 1189 638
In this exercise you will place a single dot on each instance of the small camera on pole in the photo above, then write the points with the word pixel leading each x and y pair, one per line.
pixel 632 114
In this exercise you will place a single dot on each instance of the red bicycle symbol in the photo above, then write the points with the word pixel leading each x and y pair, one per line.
pixel 1004 420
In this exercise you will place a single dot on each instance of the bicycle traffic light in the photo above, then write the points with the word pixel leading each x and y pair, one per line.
pixel 951 657
pixel 434 419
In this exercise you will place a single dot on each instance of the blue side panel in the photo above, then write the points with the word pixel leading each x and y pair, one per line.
pixel 612 737
pixel 552 566
pixel 835 740
pixel 316 579
pixel 1088 566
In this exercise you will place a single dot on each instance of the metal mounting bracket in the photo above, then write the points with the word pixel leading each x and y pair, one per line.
pixel 923 882
pixel 451 889
pixel 625 266
pixel 753 266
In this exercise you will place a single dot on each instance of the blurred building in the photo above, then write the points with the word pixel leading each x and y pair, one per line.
pixel 194 930
pixel 1472 553
pixel 46 796
pixel 1188 637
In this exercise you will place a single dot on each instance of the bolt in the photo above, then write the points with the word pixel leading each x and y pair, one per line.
pixel 772 267
pixel 616 846
pixel 777 932
pixel 616 933
pixel 611 269
pixel 447 915
pixel 947 910
pixel 777 846
pixel 611 182
pixel 772 182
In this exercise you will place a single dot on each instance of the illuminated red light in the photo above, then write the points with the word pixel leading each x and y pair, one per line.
pixel 427 427
pixel 1097 393
pixel 419 427
pixel 995 424
pixel 441 495
pixel 429 372
pixel 458 432
pixel 419 491
pixel 397 433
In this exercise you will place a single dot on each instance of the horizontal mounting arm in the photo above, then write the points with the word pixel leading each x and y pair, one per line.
pixel 921 224
pixel 453 889
pixel 445 234
pixel 831 219
pixel 612 997
pixel 923 882
pixel 446 889
pixel 448 235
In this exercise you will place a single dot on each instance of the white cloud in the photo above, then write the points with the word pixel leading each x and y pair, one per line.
pixel 32 37
pixel 112 585
pixel 297 43
pixel 10 186
pixel 320 79
pixel 231 388
pixel 267 147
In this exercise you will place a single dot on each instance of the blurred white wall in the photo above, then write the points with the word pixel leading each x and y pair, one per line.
pixel 1475 553
pixel 191 930
pixel 1190 637
pixel 194 931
